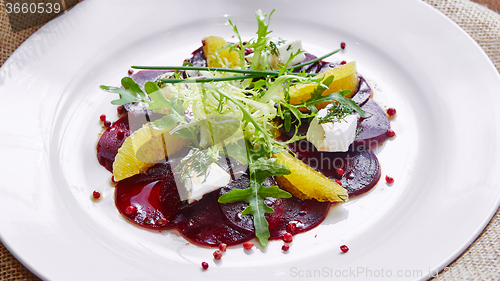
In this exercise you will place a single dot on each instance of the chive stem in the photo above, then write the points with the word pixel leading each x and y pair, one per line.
pixel 249 73
pixel 220 69
pixel 259 73
pixel 207 80
pixel 312 61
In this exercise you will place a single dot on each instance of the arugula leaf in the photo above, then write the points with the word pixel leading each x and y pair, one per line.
pixel 317 98
pixel 159 100
pixel 131 92
pixel 255 194
pixel 263 168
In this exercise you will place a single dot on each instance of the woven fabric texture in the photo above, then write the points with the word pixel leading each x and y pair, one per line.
pixel 481 261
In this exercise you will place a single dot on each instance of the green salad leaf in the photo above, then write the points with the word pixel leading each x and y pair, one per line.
pixel 131 92
pixel 255 194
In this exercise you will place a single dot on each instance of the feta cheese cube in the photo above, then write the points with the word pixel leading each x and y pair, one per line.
pixel 332 137
pixel 197 186
pixel 287 49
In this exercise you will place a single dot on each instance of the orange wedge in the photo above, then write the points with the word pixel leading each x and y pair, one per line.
pixel 218 54
pixel 304 182
pixel 144 148
pixel 345 78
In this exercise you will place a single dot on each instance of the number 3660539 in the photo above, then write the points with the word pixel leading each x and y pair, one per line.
pixel 32 8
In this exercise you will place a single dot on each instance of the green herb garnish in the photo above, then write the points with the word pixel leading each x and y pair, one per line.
pixel 254 195
pixel 196 163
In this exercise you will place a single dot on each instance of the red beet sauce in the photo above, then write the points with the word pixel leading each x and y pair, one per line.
pixel 206 222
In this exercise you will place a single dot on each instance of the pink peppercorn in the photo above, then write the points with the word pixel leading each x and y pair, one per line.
pixel 287 237
pixel 130 71
pixel 120 134
pixel 285 247
pixel 121 109
pixel 107 123
pixel 344 248
pixel 204 265
pixel 162 222
pixel 222 247
pixel 102 117
pixel 130 210
pixel 291 227
pixel 391 111
pixel 340 172
pixel 217 255
pixel 389 180
pixel 96 195
pixel 248 245
pixel 391 133
pixel 343 62
pixel 342 45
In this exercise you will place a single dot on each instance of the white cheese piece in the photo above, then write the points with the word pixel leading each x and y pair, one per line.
pixel 197 186
pixel 332 137
pixel 287 49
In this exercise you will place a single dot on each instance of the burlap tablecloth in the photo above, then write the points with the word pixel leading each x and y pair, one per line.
pixel 481 261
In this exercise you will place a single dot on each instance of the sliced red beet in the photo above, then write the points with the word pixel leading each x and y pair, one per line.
pixel 144 192
pixel 143 76
pixel 144 196
pixel 108 144
pixel 154 196
pixel 364 163
pixel 232 211
pixel 198 58
pixel 361 167
pixel 372 130
pixel 203 223
pixel 317 67
pixel 364 92
pixel 306 214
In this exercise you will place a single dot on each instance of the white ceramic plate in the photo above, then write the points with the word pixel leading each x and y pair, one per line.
pixel 443 159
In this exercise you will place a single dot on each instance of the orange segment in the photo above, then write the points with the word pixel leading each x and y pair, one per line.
pixel 309 183
pixel 144 148
pixel 345 78
pixel 217 52
pixel 285 184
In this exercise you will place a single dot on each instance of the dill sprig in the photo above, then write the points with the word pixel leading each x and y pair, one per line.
pixel 196 163
pixel 336 112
